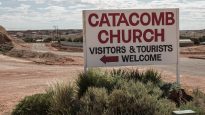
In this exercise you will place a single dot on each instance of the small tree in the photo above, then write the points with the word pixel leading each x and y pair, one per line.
pixel 29 40
pixel 48 39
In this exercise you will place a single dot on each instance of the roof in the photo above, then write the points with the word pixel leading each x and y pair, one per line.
pixel 185 41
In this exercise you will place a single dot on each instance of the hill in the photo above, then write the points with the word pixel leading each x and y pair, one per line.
pixel 5 40
pixel 192 33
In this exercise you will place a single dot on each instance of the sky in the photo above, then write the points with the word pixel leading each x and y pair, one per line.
pixel 67 14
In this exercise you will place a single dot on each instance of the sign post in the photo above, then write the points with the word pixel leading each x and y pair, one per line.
pixel 178 52
pixel 131 37
pixel 84 43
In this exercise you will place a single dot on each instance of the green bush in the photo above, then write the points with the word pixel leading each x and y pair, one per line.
pixel 198 95
pixel 134 75
pixel 130 98
pixel 119 73
pixel 78 39
pixel 94 78
pixel 185 37
pixel 29 40
pixel 198 103
pixel 69 40
pixel 202 39
pixel 63 100
pixel 153 90
pixel 149 75
pixel 134 98
pixel 62 39
pixel 37 104
pixel 119 92
pixel 167 88
pixel 86 80
pixel 94 102
pixel 5 47
pixel 192 106
pixel 120 102
pixel 48 39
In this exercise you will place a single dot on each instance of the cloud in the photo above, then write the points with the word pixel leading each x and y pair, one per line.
pixel 58 0
pixel 22 0
pixel 54 13
pixel 41 1
pixel 35 1
pixel 91 1
pixel 68 13
pixel 114 4
pixel 0 3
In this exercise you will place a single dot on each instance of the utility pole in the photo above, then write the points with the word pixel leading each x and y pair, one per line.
pixel 55 31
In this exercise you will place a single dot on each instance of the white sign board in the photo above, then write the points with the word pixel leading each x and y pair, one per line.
pixel 130 37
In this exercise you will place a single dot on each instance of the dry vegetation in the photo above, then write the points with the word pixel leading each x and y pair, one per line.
pixel 119 92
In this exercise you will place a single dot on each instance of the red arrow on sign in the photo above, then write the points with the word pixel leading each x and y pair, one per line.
pixel 106 59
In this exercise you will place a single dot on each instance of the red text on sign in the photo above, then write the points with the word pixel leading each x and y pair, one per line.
pixel 131 36
pixel 131 19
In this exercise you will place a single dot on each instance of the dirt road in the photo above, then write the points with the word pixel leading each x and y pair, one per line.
pixel 41 47
pixel 19 78
pixel 188 66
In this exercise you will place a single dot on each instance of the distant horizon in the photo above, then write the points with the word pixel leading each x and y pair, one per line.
pixel 75 29
pixel 46 29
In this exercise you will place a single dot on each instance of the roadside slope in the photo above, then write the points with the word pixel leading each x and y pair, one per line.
pixel 5 40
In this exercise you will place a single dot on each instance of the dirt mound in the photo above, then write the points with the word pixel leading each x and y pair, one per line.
pixel 193 50
pixel 196 52
pixel 4 37
pixel 5 40
pixel 45 58
pixel 66 48
pixel 29 54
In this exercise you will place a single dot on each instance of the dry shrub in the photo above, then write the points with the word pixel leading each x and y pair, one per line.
pixel 63 99
pixel 94 102
pixel 37 104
